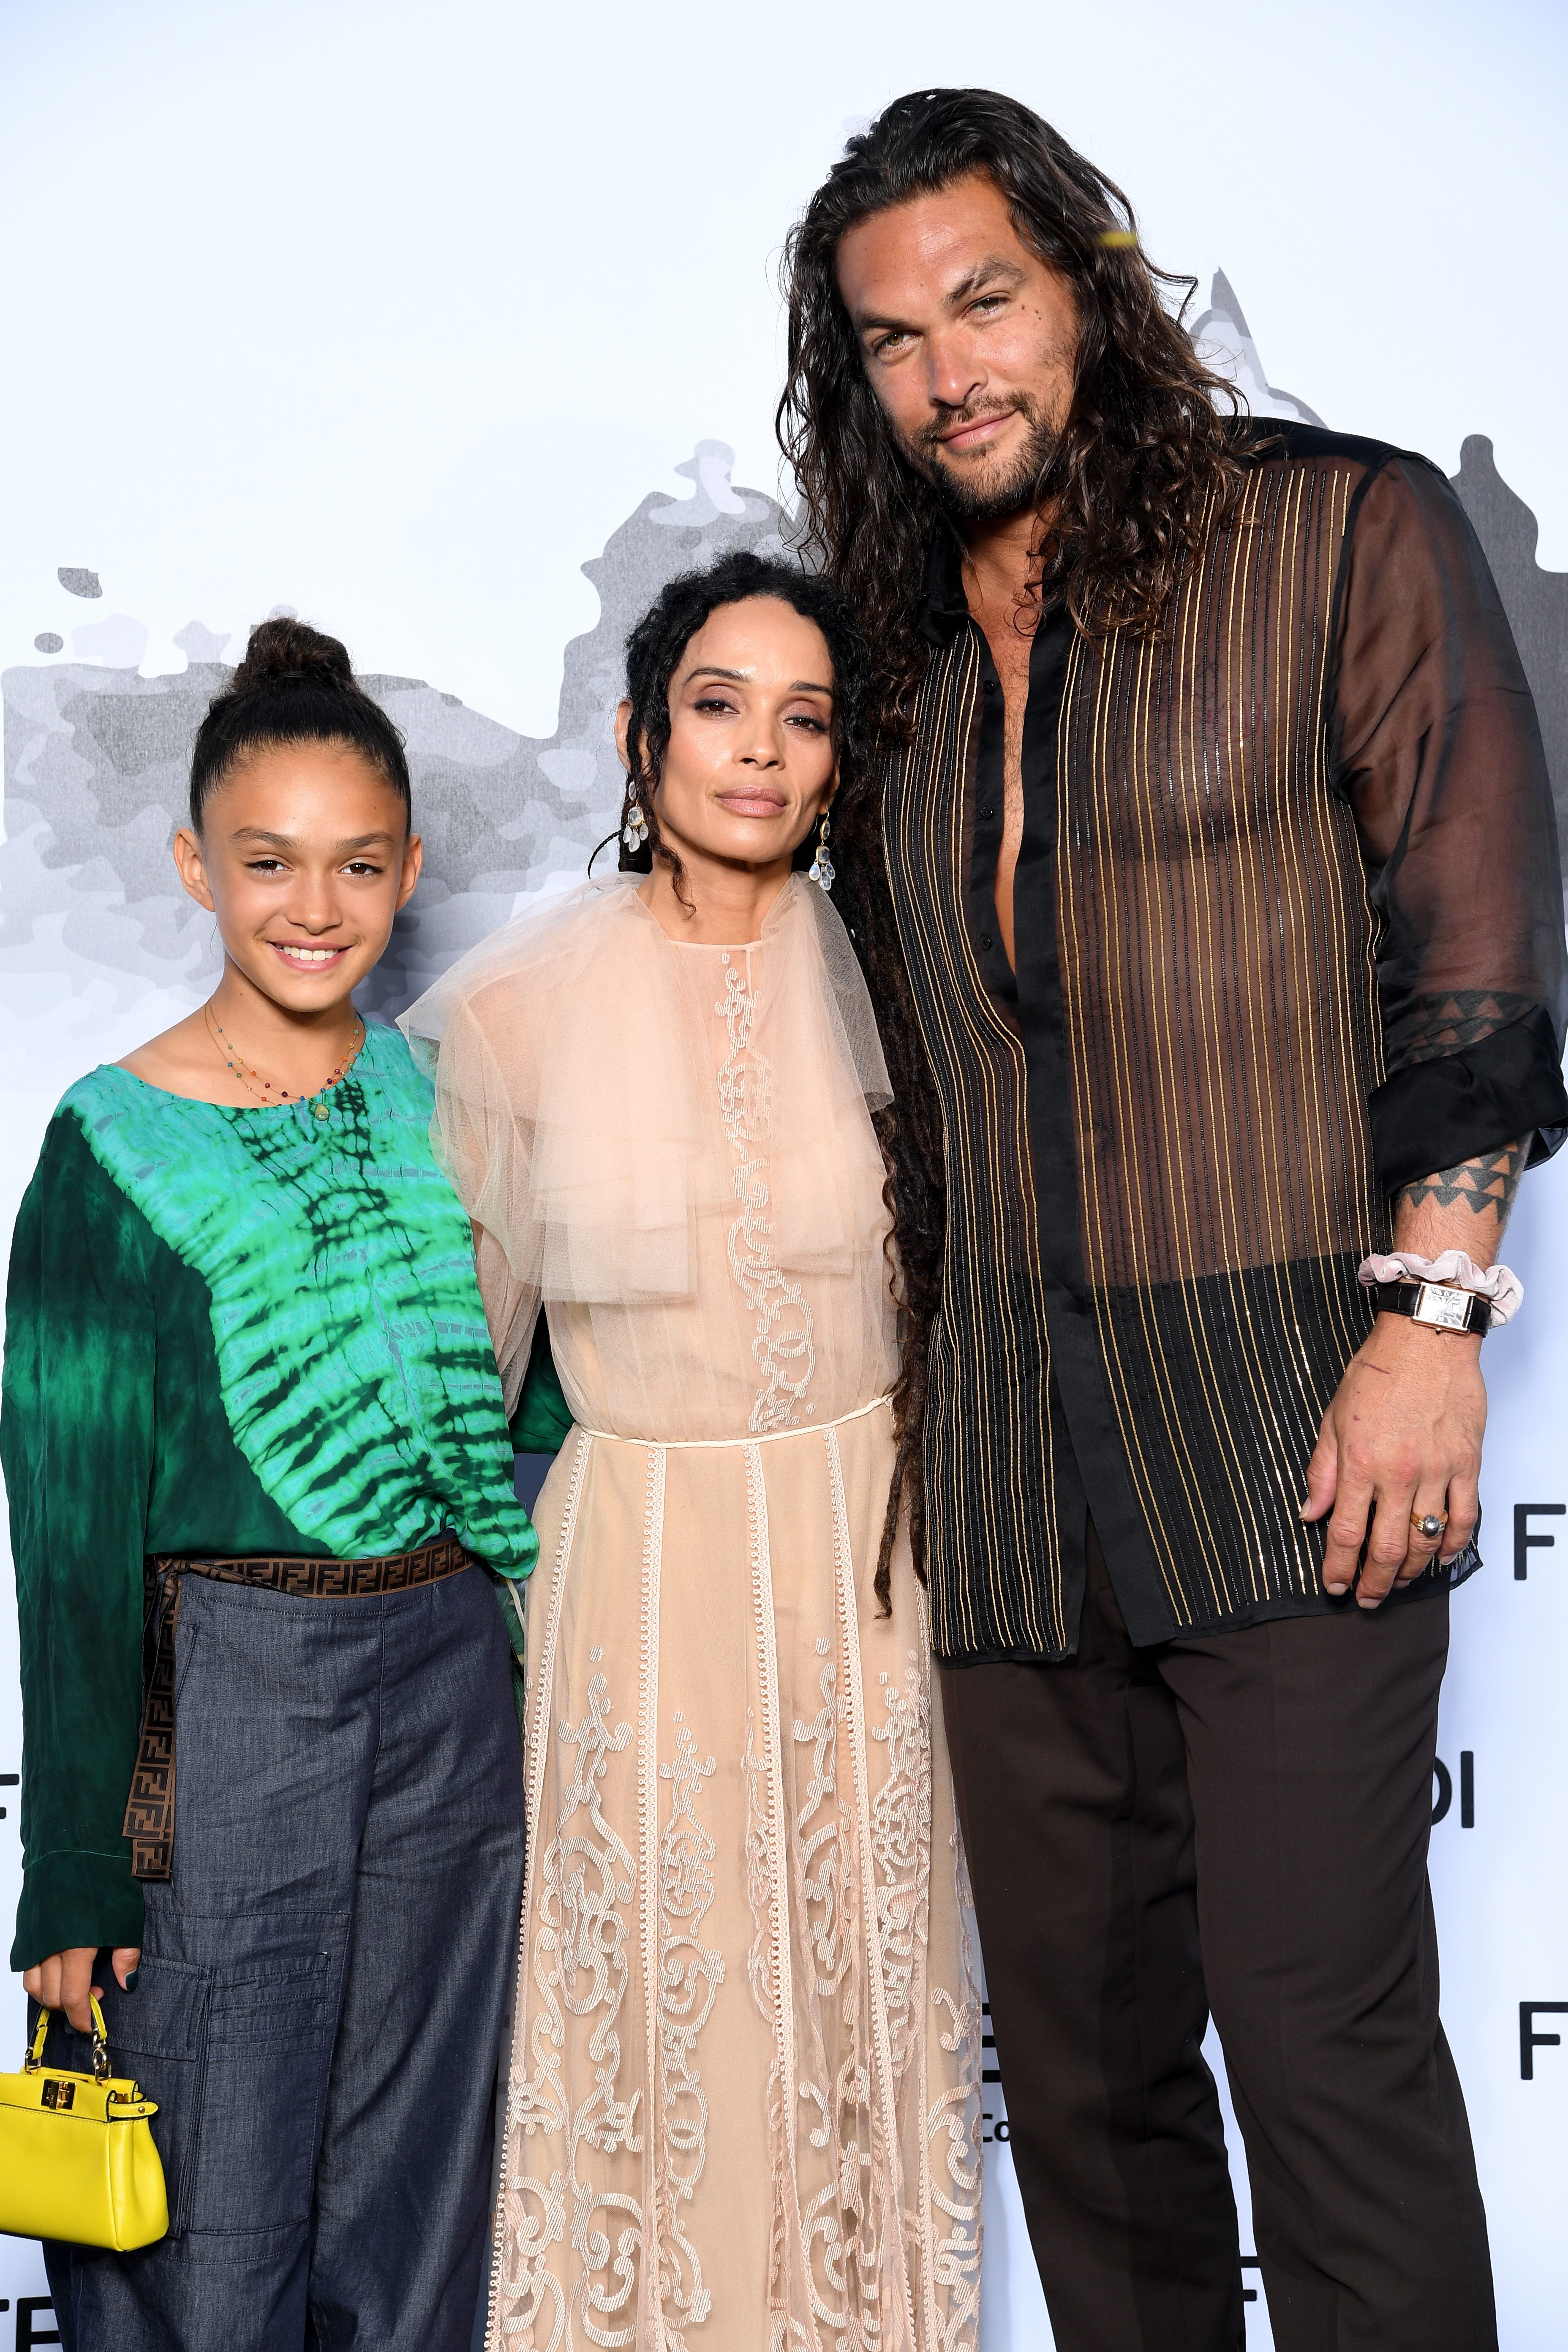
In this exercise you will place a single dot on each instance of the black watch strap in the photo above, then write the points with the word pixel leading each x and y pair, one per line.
pixel 1434 1303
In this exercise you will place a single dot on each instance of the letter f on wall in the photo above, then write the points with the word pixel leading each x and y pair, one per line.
pixel 1524 1543
pixel 1530 2042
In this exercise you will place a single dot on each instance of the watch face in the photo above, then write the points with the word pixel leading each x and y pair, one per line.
pixel 1449 1309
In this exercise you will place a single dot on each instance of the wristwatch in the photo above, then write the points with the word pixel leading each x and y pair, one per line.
pixel 1435 1304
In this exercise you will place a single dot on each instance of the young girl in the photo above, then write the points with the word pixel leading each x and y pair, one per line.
pixel 744 2095
pixel 245 1347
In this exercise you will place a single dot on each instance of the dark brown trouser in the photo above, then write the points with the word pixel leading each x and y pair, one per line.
pixel 1238 1820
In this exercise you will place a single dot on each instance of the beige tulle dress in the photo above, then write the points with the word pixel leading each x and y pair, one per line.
pixel 744 2096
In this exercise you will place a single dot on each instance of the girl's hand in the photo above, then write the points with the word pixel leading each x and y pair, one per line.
pixel 65 1980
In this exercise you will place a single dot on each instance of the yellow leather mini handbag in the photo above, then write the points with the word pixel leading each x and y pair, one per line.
pixel 77 2157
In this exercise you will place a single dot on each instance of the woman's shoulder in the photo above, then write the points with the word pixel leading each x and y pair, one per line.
pixel 522 971
pixel 564 929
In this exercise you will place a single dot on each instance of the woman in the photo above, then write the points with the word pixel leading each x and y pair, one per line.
pixel 245 1345
pixel 744 2085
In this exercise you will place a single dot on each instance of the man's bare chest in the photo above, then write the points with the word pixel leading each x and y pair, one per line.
pixel 1010 653
pixel 1011 647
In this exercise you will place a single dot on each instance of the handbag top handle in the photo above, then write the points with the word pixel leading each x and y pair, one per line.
pixel 101 2065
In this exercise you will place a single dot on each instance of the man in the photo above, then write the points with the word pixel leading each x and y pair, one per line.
pixel 1221 854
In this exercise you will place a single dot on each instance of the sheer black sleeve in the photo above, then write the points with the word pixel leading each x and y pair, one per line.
pixel 1436 747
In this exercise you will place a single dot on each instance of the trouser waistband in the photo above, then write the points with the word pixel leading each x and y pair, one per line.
pixel 150 1810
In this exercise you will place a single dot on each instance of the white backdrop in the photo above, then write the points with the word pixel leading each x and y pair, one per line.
pixel 402 316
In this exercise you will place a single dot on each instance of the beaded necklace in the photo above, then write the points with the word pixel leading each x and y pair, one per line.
pixel 269 1093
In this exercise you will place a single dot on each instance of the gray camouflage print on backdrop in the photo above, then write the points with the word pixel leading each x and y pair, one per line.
pixel 95 756
pixel 97 763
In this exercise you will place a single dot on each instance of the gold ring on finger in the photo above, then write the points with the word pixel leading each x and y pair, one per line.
pixel 1429 1523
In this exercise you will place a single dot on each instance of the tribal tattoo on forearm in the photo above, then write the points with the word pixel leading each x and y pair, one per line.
pixel 1431 1027
pixel 1486 1185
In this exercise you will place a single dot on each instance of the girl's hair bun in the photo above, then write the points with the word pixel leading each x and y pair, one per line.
pixel 283 647
pixel 295 685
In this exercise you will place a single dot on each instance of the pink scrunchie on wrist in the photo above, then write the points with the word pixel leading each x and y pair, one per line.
pixel 1497 1283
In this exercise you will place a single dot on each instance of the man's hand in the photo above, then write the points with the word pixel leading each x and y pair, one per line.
pixel 65 1980
pixel 1403 1436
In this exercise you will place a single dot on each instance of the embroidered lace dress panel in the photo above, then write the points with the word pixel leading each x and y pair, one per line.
pixel 744 2097
pixel 783 1346
pixel 745 2089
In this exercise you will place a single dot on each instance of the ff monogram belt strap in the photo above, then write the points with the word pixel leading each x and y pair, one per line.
pixel 150 1815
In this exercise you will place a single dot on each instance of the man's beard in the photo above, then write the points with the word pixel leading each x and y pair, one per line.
pixel 993 497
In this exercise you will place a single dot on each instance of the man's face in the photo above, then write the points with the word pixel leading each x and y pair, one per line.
pixel 969 341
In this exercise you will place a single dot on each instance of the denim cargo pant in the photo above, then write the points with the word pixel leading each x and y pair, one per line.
pixel 319 2007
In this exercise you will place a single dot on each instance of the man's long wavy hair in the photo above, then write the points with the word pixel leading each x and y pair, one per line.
pixel 1140 471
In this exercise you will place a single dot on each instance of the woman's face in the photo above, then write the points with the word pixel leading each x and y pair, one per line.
pixel 304 856
pixel 751 764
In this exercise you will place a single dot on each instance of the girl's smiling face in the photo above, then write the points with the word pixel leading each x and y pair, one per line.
pixel 751 763
pixel 304 856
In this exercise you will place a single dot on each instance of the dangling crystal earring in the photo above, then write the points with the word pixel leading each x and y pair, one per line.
pixel 634 832
pixel 822 866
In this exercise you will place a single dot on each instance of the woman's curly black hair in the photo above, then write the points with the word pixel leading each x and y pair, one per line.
pixel 653 655
pixel 909 1130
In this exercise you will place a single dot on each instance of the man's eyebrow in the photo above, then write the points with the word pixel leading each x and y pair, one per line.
pixel 993 266
pixel 744 677
pixel 996 265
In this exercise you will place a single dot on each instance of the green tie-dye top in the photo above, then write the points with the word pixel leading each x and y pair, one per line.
pixel 226 1331
pixel 355 1364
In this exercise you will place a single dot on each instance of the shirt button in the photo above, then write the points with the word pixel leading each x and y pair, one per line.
pixel 986 941
pixel 989 686
pixel 987 811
